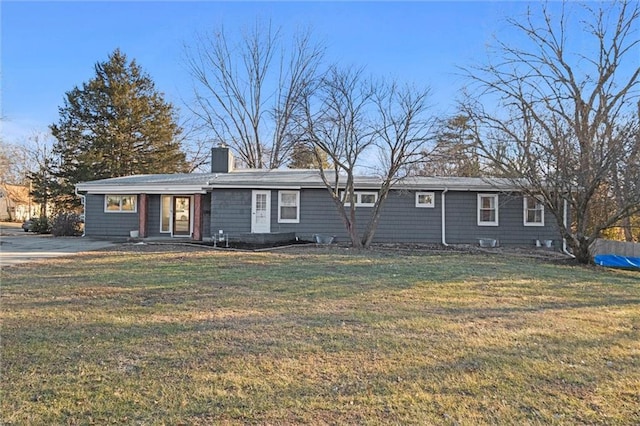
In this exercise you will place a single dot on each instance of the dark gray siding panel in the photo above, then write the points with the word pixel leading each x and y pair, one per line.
pixel 400 220
pixel 461 219
pixel 101 224
pixel 462 222
pixel 153 216
pixel 230 211
pixel 318 215
pixel 206 215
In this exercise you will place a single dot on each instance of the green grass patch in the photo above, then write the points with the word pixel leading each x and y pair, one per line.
pixel 318 337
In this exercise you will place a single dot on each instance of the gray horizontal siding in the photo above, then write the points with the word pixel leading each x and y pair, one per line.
pixel 153 217
pixel 230 211
pixel 462 221
pixel 206 214
pixel 101 224
pixel 318 215
pixel 400 220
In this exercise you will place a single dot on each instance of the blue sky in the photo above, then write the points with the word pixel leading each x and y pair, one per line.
pixel 48 48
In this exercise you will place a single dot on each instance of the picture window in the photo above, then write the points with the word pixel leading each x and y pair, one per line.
pixel 120 203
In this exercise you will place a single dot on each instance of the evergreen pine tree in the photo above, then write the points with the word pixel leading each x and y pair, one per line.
pixel 117 124
pixel 303 157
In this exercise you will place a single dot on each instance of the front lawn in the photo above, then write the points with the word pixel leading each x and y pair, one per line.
pixel 318 336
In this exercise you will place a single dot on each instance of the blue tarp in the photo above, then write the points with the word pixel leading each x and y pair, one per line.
pixel 615 261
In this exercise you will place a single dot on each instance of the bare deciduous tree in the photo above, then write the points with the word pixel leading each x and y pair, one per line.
pixel 13 163
pixel 354 119
pixel 563 114
pixel 402 128
pixel 247 92
pixel 28 163
pixel 338 126
pixel 196 145
pixel 19 159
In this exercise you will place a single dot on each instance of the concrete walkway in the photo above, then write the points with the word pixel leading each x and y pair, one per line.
pixel 17 246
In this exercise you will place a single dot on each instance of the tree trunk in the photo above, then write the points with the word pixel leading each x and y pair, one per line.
pixel 626 227
pixel 580 248
pixel 356 242
pixel 9 211
pixel 370 231
pixel 349 221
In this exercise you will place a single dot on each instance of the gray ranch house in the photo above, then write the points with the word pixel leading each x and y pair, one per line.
pixel 241 204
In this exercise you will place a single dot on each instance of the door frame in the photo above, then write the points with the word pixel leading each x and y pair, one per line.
pixel 174 213
pixel 265 228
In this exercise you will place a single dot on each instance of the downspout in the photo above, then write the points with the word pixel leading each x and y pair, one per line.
pixel 84 208
pixel 565 221
pixel 444 232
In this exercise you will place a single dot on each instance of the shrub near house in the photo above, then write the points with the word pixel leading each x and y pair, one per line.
pixel 66 224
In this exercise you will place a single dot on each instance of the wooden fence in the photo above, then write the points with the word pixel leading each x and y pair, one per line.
pixel 620 248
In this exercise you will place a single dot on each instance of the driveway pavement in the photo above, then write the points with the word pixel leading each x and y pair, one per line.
pixel 17 246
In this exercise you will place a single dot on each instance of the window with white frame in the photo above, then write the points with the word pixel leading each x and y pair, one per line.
pixel 362 199
pixel 425 199
pixel 533 212
pixel 120 203
pixel 165 213
pixel 487 209
pixel 288 206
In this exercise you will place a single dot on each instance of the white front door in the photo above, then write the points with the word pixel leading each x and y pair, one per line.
pixel 261 212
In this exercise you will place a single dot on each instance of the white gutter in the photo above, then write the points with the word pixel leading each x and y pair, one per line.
pixel 565 220
pixel 444 232
pixel 165 188
pixel 265 187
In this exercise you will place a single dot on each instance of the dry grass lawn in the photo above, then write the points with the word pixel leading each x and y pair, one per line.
pixel 318 336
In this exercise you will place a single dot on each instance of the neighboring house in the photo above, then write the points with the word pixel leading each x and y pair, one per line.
pixel 16 204
pixel 244 202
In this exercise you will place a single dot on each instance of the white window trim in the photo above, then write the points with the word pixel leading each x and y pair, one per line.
pixel 423 205
pixel 345 194
pixel 526 211
pixel 359 202
pixel 479 204
pixel 358 197
pixel 135 203
pixel 280 205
